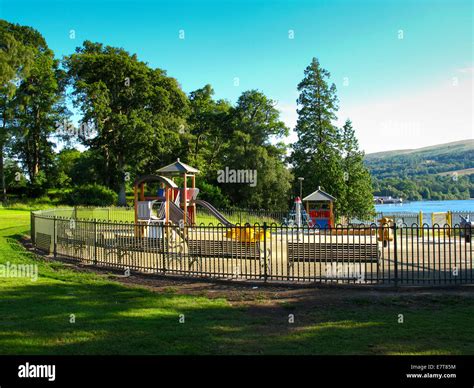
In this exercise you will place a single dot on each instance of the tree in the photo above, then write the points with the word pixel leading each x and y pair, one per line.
pixel 64 164
pixel 16 55
pixel 137 113
pixel 256 115
pixel 15 180
pixel 209 124
pixel 255 120
pixel 316 156
pixel 39 107
pixel 88 168
pixel 357 194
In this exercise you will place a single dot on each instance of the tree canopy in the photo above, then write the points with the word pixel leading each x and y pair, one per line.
pixel 31 94
pixel 134 112
pixel 134 119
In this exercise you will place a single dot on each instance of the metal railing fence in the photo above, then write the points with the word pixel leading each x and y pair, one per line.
pixel 399 254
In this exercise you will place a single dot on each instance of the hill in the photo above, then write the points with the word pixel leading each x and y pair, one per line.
pixel 440 149
pixel 444 171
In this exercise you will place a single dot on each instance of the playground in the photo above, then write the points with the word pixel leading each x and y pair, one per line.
pixel 161 235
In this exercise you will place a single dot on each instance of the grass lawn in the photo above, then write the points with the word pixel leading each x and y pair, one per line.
pixel 115 318
pixel 206 219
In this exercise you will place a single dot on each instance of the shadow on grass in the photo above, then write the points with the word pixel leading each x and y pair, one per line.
pixel 68 318
pixel 109 318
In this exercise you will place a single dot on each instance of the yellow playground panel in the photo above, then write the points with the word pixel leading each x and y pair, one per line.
pixel 442 222
pixel 248 234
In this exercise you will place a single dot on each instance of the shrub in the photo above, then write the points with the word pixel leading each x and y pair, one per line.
pixel 213 194
pixel 28 204
pixel 91 195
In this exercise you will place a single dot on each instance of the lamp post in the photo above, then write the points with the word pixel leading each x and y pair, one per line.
pixel 301 179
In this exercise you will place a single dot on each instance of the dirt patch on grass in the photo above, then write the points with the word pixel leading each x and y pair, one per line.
pixel 271 296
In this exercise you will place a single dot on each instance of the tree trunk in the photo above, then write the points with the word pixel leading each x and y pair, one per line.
pixel 36 144
pixel 3 194
pixel 107 179
pixel 122 195
pixel 32 154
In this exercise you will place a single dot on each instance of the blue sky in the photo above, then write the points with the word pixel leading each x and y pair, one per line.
pixel 403 69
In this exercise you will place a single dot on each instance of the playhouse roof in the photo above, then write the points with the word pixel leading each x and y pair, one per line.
pixel 319 195
pixel 155 178
pixel 178 168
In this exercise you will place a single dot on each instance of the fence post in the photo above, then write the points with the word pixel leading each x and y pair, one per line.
pixel 395 253
pixel 420 223
pixel 95 241
pixel 265 270
pixel 54 237
pixel 449 221
pixel 166 246
pixel 32 228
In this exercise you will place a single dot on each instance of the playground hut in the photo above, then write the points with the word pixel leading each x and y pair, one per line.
pixel 189 194
pixel 178 168
pixel 144 204
pixel 319 207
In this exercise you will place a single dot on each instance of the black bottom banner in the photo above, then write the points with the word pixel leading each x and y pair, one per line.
pixel 136 371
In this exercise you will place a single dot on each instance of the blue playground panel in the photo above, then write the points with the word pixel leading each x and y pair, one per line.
pixel 161 193
pixel 322 223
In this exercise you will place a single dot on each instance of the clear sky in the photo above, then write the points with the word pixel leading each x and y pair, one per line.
pixel 403 69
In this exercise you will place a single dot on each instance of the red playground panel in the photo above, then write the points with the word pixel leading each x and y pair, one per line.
pixel 320 218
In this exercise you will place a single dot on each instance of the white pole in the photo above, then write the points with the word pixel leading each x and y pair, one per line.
pixel 298 213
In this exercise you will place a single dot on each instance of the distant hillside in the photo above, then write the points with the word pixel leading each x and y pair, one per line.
pixel 441 158
pixel 444 171
pixel 461 145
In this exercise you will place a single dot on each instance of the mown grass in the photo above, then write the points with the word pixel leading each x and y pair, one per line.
pixel 235 218
pixel 118 214
pixel 110 318
pixel 126 214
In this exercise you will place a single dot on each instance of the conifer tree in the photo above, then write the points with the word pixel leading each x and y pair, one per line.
pixel 316 155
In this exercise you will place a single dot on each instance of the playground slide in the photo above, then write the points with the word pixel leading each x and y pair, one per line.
pixel 214 212
pixel 176 214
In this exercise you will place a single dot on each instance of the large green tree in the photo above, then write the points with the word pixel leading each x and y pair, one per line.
pixel 316 154
pixel 137 113
pixel 39 107
pixel 255 125
pixel 209 124
pixel 18 45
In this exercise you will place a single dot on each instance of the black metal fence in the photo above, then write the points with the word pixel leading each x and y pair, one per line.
pixel 407 218
pixel 359 254
pixel 410 218
pixel 243 216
